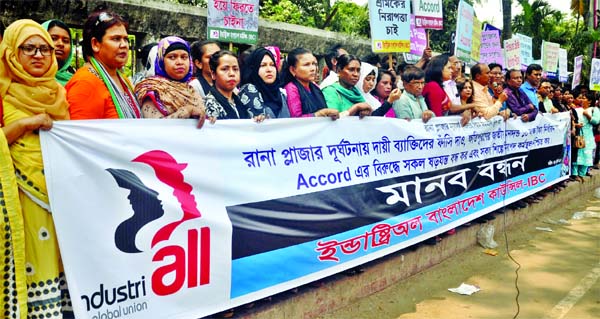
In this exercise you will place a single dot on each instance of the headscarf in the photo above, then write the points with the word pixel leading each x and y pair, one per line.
pixel 270 92
pixel 366 69
pixel 277 54
pixel 150 65
pixel 18 88
pixel 163 49
pixel 63 75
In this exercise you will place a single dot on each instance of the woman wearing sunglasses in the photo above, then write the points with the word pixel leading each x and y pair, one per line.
pixel 99 90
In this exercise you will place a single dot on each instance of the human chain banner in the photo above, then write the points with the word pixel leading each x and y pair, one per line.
pixel 158 219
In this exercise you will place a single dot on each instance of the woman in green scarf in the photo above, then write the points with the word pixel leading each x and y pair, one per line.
pixel 343 95
pixel 63 49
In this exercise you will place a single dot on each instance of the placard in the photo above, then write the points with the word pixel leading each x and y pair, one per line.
pixel 233 21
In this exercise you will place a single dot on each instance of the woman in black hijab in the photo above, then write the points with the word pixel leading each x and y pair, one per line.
pixel 261 92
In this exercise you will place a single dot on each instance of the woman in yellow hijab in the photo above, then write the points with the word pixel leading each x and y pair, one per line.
pixel 34 283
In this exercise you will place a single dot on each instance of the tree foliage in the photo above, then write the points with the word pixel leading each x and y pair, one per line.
pixel 345 17
pixel 352 19
pixel 442 40
pixel 282 11
pixel 543 23
pixel 538 20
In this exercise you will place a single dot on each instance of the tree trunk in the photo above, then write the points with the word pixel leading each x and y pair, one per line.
pixel 506 19
pixel 577 24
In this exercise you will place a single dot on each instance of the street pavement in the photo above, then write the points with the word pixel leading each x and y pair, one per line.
pixel 557 279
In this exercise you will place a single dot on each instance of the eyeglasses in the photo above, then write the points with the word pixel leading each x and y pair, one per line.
pixel 31 50
pixel 417 83
pixel 103 17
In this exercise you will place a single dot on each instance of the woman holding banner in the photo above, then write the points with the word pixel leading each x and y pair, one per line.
pixel 221 101
pixel 343 95
pixel 384 86
pixel 261 87
pixel 34 282
pixel 304 97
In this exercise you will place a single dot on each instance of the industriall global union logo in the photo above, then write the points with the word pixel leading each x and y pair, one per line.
pixel 188 264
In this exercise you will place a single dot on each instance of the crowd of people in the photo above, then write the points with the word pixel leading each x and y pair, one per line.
pixel 38 85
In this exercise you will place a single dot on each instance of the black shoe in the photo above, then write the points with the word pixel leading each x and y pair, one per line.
pixel 518 205
pixel 489 216
pixel 433 241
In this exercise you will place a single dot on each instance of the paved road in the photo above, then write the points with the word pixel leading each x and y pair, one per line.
pixel 558 278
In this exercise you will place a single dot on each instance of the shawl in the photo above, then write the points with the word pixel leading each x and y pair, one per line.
pixel 31 95
pixel 166 94
pixel 312 100
pixel 159 63
pixel 231 113
pixel 341 98
pixel 63 75
pixel 12 234
pixel 124 108
pixel 270 92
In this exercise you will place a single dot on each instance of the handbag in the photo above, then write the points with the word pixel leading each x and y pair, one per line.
pixel 579 141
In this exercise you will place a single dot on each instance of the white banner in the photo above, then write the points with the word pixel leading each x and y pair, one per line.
pixel 577 65
pixel 563 72
pixel 157 219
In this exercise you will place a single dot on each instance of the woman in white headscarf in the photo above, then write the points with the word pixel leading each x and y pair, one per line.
pixel 366 84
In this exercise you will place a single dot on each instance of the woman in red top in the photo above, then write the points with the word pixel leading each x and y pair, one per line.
pixel 438 70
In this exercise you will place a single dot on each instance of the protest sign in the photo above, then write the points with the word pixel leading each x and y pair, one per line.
pixel 464 32
pixel 563 72
pixel 578 64
pixel 550 56
pixel 233 21
pixel 476 40
pixel 526 45
pixel 428 14
pixel 390 25
pixel 491 50
pixel 512 53
pixel 595 75
pixel 418 38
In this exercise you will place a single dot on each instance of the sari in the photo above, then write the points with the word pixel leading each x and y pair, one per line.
pixel 37 284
